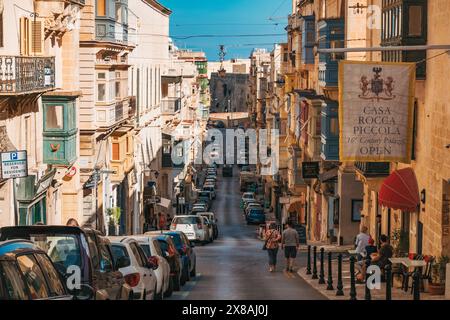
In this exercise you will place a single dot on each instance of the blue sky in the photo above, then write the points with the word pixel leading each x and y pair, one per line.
pixel 228 17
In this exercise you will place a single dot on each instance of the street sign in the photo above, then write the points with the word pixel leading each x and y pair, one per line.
pixel 14 164
pixel 310 170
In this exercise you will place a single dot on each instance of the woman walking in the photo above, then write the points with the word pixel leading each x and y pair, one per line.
pixel 273 238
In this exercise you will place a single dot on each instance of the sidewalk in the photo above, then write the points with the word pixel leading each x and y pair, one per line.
pixel 379 294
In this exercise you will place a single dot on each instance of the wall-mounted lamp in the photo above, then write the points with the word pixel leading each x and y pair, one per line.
pixel 423 196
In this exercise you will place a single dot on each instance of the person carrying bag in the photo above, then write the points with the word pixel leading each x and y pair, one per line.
pixel 271 245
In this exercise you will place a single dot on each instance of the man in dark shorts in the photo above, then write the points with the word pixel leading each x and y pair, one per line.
pixel 290 243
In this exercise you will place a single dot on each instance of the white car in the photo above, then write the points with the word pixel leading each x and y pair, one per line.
pixel 193 226
pixel 135 267
pixel 152 249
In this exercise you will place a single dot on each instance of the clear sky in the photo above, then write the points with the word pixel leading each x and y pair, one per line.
pixel 228 17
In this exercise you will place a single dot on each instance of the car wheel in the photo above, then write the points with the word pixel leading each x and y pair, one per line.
pixel 144 295
pixel 169 291
pixel 155 293
pixel 194 272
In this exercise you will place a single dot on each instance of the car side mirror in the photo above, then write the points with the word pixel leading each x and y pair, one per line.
pixel 123 262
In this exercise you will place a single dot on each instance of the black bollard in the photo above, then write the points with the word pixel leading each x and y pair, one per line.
pixel 367 295
pixel 322 270
pixel 352 279
pixel 340 286
pixel 308 262
pixel 388 271
pixel 330 273
pixel 314 273
pixel 416 279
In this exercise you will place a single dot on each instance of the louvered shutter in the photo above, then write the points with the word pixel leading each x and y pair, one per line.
pixel 36 36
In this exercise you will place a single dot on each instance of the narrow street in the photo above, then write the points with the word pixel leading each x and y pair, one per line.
pixel 234 267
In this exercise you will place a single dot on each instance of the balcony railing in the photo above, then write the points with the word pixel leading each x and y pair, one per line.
pixel 23 74
pixel 170 105
pixel 373 169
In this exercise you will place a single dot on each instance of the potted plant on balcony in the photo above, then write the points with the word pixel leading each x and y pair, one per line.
pixel 437 284
pixel 114 220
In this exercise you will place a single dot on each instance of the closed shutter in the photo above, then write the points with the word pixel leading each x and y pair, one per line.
pixel 115 151
pixel 24 36
pixel 37 37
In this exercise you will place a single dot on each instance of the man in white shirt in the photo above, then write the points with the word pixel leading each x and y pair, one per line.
pixel 362 241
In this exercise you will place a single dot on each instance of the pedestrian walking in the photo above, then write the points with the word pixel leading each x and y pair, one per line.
pixel 290 243
pixel 273 238
pixel 168 221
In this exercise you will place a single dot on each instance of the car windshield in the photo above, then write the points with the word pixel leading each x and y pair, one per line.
pixel 204 194
pixel 177 240
pixel 187 220
pixel 248 196
pixel 256 212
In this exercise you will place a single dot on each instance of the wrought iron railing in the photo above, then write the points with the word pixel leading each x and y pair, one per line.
pixel 373 168
pixel 22 74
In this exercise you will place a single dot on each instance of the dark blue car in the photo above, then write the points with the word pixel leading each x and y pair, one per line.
pixel 256 216
pixel 185 249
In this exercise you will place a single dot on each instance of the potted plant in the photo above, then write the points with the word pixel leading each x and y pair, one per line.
pixel 114 220
pixel 437 285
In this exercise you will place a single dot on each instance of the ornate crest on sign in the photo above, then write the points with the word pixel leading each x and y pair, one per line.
pixel 377 88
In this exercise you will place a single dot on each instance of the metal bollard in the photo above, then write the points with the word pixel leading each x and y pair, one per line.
pixel 388 271
pixel 308 262
pixel 352 278
pixel 322 271
pixel 330 273
pixel 416 279
pixel 367 295
pixel 340 286
pixel 314 273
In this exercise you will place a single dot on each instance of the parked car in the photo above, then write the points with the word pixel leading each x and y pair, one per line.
pixel 227 170
pixel 199 207
pixel 205 194
pixel 256 216
pixel 252 205
pixel 192 226
pixel 246 197
pixel 186 250
pixel 172 256
pixel 82 248
pixel 136 268
pixel 211 189
pixel 152 249
pixel 27 273
pixel 209 228
pixel 212 219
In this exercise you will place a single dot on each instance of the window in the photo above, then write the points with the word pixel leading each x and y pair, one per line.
pixel 101 76
pixel 101 92
pixel 56 286
pixel 101 8
pixel 135 250
pixel 337 44
pixel 415 21
pixel 120 251
pixel 54 118
pixel 34 277
pixel 106 264
pixel 12 283
pixel 115 151
pixel 118 95
pixel 31 36
pixel 334 126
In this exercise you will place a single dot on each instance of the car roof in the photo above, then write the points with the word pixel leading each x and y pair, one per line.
pixel 185 216
pixel 120 239
pixel 17 246
pixel 42 229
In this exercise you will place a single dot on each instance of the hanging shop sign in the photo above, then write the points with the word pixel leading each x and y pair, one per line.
pixel 376 111
pixel 310 170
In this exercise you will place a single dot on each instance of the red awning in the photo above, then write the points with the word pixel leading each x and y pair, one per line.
pixel 400 191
